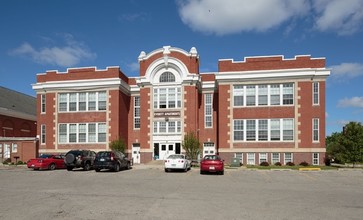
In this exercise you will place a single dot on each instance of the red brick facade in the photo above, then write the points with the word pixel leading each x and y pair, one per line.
pixel 260 109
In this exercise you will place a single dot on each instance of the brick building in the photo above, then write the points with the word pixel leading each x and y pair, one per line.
pixel 18 125
pixel 260 109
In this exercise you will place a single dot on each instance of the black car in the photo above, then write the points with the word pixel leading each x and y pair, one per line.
pixel 112 160
pixel 80 158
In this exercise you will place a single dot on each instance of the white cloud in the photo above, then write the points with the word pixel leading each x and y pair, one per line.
pixel 233 16
pixel 134 67
pixel 342 16
pixel 345 17
pixel 69 55
pixel 356 102
pixel 345 71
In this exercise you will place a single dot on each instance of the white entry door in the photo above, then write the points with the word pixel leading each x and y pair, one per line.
pixel 166 150
pixel 6 151
pixel 136 153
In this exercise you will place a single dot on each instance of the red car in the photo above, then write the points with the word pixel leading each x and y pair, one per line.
pixel 212 164
pixel 47 162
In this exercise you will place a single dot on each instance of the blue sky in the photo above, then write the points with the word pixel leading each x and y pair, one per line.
pixel 42 35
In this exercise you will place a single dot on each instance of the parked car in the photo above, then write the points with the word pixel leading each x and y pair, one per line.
pixel 177 162
pixel 112 160
pixel 80 158
pixel 47 162
pixel 212 163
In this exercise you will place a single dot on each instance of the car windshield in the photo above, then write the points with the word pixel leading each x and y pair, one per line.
pixel 176 156
pixel 45 156
pixel 103 154
pixel 211 157
pixel 75 153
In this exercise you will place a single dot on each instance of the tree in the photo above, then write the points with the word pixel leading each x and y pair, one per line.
pixel 346 146
pixel 191 146
pixel 118 145
pixel 353 142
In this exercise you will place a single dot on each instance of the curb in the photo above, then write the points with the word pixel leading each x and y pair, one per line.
pixel 310 169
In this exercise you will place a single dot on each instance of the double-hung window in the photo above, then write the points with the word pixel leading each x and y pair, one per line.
pixel 238 130
pixel 275 129
pixel 43 103
pixel 250 95
pixel 275 158
pixel 250 130
pixel 137 112
pixel 288 158
pixel 208 110
pixel 262 130
pixel 315 129
pixel 315 93
pixel 262 94
pixel 43 134
pixel 288 94
pixel 102 101
pixel 288 129
pixel 238 94
pixel 315 158
pixel 167 98
pixel 275 94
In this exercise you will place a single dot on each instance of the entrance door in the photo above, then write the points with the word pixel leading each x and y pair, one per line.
pixel 136 153
pixel 6 151
pixel 166 150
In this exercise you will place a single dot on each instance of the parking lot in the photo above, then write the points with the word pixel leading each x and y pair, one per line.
pixel 150 193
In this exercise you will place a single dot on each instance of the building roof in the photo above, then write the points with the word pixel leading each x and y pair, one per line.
pixel 16 104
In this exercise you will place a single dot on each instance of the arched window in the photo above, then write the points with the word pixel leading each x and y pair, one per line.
pixel 167 77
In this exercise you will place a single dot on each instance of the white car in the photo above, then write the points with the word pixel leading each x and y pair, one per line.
pixel 177 162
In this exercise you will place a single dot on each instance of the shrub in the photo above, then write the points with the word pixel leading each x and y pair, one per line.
pixel 278 164
pixel 290 164
pixel 7 161
pixel 304 163
pixel 20 162
pixel 265 164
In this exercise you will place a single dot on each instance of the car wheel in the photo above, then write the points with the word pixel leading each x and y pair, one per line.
pixel 87 167
pixel 52 166
pixel 186 168
pixel 128 166
pixel 166 170
pixel 117 168
pixel 222 172
pixel 201 172
pixel 97 169
pixel 69 168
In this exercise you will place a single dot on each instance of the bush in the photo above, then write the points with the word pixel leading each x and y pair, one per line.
pixel 278 164
pixel 304 163
pixel 20 162
pixel 7 161
pixel 265 164
pixel 290 164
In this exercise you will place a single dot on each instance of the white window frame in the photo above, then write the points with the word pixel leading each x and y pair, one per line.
pixel 90 137
pixel 159 127
pixel 208 110
pixel 99 100
pixel 137 110
pixel 262 157
pixel 42 134
pixel 14 148
pixel 275 160
pixel 42 103
pixel 251 159
pixel 172 99
pixel 315 129
pixel 316 93
pixel 239 130
pixel 315 159
pixel 290 160
pixel 242 92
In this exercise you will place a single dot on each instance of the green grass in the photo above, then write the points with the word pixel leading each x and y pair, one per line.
pixel 290 167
